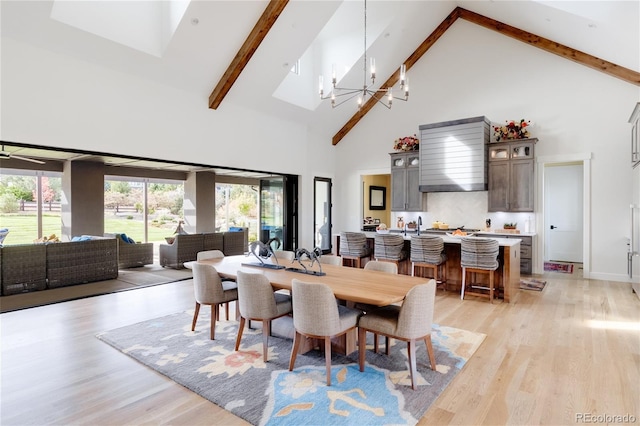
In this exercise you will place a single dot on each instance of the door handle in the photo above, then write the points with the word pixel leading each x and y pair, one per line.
pixel 553 227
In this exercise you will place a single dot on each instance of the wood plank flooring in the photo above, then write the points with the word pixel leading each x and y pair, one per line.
pixel 573 348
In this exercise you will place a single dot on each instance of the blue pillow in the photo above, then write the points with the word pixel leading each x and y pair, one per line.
pixel 130 240
pixel 126 239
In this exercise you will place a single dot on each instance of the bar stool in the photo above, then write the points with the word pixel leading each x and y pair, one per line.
pixel 479 255
pixel 390 248
pixel 353 248
pixel 427 251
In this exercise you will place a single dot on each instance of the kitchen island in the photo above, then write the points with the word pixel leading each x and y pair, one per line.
pixel 507 274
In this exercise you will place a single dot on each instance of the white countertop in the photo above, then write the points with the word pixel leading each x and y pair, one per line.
pixel 508 242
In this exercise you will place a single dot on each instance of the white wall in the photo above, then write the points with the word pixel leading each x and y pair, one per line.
pixel 472 71
pixel 54 100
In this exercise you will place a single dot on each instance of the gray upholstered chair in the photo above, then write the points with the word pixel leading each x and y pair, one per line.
pixel 389 268
pixel 353 248
pixel 210 289
pixel 284 256
pixel 209 254
pixel 316 314
pixel 330 260
pixel 410 322
pixel 427 251
pixel 212 254
pixel 479 255
pixel 258 301
pixel 376 265
pixel 390 248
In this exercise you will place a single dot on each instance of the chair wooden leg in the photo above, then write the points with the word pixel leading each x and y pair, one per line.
pixel 430 353
pixel 362 347
pixel 386 345
pixel 226 310
pixel 464 280
pixel 411 350
pixel 240 331
pixel 491 286
pixel 294 349
pixel 266 331
pixel 327 358
pixel 375 343
pixel 215 312
pixel 195 317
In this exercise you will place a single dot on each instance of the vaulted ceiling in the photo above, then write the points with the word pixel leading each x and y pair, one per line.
pixel 242 52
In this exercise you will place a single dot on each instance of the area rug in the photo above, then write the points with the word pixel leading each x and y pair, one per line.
pixel 566 268
pixel 268 394
pixel 532 284
pixel 128 279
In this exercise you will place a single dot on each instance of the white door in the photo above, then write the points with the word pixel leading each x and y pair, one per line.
pixel 563 188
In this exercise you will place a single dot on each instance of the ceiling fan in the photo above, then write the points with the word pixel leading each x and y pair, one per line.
pixel 6 155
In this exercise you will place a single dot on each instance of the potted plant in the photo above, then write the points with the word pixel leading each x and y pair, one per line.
pixel 510 225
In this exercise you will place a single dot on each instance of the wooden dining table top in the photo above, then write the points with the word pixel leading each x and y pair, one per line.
pixel 349 284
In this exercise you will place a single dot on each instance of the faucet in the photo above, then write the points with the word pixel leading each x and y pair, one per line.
pixel 419 223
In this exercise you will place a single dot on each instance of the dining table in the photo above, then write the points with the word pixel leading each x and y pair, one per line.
pixel 351 285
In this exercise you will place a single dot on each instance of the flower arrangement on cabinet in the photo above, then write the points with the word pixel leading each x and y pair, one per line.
pixel 512 130
pixel 407 143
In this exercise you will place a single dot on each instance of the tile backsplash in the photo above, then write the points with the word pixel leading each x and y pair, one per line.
pixel 468 209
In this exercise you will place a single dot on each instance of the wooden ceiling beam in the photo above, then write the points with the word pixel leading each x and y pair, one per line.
pixel 249 47
pixel 550 46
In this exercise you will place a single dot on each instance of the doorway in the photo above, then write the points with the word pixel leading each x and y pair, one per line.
pixel 572 164
pixel 322 214
pixel 278 210
pixel 563 212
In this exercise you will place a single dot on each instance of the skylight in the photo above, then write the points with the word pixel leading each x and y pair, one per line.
pixel 147 26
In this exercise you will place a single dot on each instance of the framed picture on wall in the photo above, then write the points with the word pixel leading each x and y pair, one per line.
pixel 377 198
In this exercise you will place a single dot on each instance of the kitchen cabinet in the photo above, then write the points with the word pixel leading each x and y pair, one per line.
pixel 511 176
pixel 405 177
pixel 526 252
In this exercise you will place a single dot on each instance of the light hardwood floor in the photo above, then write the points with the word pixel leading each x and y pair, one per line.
pixel 574 348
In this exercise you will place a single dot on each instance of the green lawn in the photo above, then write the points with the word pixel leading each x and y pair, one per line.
pixel 23 228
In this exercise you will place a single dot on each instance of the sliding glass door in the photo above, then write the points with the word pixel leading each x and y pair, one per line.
pixel 278 210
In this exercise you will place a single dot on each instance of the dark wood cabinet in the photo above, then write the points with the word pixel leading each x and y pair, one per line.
pixel 405 176
pixel 511 176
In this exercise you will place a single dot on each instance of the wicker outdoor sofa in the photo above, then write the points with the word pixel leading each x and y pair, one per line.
pixel 185 247
pixel 31 267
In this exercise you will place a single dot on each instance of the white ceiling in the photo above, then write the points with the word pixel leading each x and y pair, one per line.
pixel 195 57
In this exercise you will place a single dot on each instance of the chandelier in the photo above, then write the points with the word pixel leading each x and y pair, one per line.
pixel 383 96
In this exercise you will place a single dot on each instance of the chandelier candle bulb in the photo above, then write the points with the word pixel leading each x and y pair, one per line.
pixel 373 69
pixel 403 72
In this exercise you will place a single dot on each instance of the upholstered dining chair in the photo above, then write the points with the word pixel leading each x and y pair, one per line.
pixel 209 254
pixel 316 314
pixel 210 289
pixel 376 265
pixel 389 268
pixel 427 251
pixel 259 302
pixel 390 248
pixel 213 254
pixel 330 260
pixel 284 255
pixel 479 255
pixel 410 322
pixel 353 248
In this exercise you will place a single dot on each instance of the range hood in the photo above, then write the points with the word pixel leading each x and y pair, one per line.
pixel 453 155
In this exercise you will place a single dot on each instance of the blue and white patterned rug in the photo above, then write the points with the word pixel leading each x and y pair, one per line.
pixel 268 394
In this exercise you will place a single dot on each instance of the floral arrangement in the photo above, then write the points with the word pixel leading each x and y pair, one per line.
pixel 512 130
pixel 407 143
